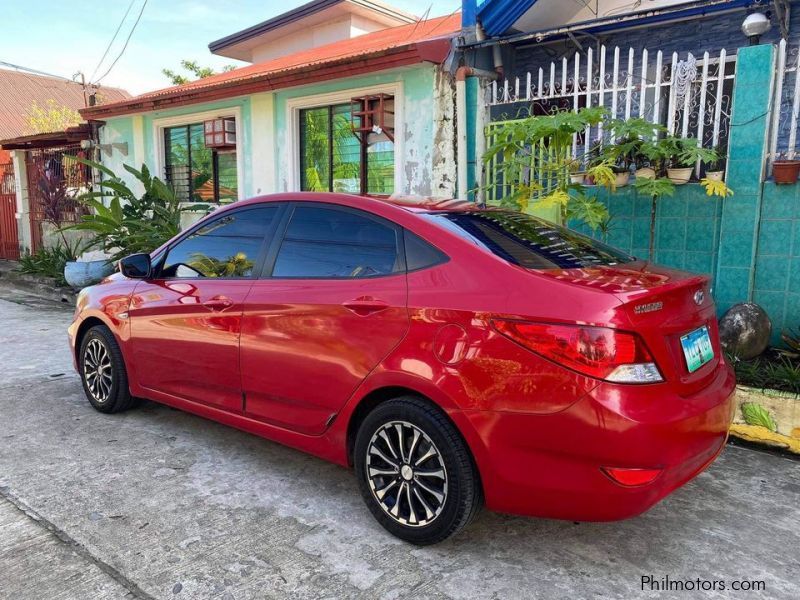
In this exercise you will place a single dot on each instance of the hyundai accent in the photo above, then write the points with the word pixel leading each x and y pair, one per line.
pixel 454 356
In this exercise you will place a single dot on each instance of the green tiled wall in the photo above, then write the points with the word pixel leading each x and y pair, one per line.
pixel 687 226
pixel 777 273
pixel 737 263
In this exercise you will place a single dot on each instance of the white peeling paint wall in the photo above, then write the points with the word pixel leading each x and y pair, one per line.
pixel 423 138
pixel 121 131
pixel 429 164
pixel 444 150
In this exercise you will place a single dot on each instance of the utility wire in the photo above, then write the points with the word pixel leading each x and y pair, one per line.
pixel 114 37
pixel 125 45
pixel 424 17
pixel 458 8
pixel 34 71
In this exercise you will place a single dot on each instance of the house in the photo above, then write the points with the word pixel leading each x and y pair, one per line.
pixel 21 211
pixel 723 72
pixel 341 95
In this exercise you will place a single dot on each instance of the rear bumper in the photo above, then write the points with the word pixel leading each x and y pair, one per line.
pixel 550 465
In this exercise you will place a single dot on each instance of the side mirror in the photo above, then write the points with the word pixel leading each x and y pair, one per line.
pixel 136 266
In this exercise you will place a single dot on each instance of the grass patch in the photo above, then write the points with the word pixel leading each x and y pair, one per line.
pixel 772 370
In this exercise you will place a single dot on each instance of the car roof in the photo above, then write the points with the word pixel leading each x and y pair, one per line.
pixel 412 204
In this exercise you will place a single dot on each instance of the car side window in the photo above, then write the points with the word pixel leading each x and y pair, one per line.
pixel 420 254
pixel 225 247
pixel 333 243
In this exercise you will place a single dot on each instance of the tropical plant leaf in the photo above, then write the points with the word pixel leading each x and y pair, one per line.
pixel 558 197
pixel 716 188
pixel 791 341
pixel 660 186
pixel 129 223
pixel 603 176
pixel 755 414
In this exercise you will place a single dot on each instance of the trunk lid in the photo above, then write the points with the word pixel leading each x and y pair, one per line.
pixel 662 305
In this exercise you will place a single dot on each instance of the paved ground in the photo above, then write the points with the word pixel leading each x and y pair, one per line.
pixel 158 503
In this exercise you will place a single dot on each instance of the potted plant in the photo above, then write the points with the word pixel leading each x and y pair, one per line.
pixel 682 155
pixel 785 171
pixel 60 204
pixel 87 269
pixel 649 160
pixel 576 174
pixel 715 169
pixel 634 147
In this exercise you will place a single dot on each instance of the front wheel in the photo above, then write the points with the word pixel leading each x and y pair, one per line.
pixel 102 369
pixel 415 472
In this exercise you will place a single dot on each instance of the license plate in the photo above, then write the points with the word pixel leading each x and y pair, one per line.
pixel 697 348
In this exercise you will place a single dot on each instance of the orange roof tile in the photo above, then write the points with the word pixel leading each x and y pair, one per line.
pixel 416 41
pixel 19 90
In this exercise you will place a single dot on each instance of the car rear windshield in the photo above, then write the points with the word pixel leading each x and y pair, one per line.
pixel 528 241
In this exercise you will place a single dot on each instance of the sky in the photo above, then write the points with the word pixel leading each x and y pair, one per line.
pixel 64 38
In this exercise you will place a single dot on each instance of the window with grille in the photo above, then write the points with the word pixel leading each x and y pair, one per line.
pixel 195 171
pixel 333 158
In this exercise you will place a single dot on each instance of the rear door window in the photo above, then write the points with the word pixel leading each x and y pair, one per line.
pixel 529 242
pixel 333 243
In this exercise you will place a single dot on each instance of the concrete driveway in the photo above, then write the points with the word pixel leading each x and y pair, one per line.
pixel 155 503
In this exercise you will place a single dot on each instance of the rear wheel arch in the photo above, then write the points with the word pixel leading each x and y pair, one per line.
pixel 378 396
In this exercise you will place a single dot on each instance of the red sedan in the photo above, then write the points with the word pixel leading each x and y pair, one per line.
pixel 454 356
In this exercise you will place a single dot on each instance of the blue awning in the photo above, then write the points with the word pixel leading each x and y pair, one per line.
pixel 497 16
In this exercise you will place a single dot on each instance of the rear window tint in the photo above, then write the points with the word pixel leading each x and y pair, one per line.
pixel 528 241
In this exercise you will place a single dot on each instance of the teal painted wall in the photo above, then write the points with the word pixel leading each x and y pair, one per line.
pixel 421 150
pixel 687 226
pixel 423 140
pixel 777 273
pixel 123 129
pixel 472 90
pixel 747 148
pixel 709 235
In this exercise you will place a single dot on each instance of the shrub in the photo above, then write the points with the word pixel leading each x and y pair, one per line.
pixel 50 262
pixel 769 371
pixel 124 223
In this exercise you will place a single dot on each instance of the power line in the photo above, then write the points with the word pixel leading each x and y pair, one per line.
pixel 114 37
pixel 125 45
pixel 34 71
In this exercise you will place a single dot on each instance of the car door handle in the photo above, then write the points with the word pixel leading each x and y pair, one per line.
pixel 365 306
pixel 218 303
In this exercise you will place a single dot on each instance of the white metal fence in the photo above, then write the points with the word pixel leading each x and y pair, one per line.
pixel 786 104
pixel 691 97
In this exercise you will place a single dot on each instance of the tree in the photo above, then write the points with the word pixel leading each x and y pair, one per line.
pixel 195 72
pixel 52 117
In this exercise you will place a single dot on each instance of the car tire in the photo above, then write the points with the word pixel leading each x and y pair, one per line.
pixel 103 373
pixel 426 489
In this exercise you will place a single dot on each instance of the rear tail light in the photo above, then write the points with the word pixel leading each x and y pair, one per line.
pixel 599 352
pixel 631 477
